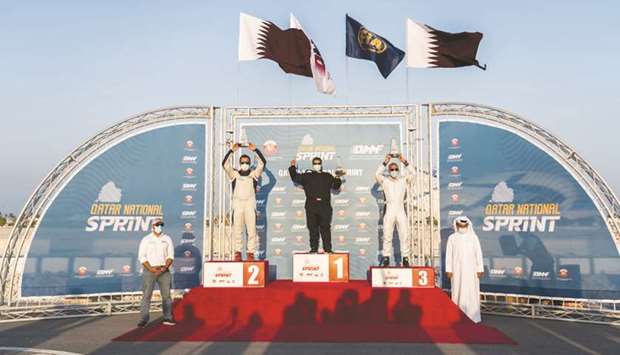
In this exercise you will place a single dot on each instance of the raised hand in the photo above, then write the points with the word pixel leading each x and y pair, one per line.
pixel 252 146
pixel 293 162
pixel 235 147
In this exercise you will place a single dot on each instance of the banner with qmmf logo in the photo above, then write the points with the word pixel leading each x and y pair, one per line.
pixel 87 241
pixel 356 145
pixel 539 230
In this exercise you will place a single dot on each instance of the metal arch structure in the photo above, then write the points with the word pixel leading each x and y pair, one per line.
pixel 543 307
pixel 13 260
pixel 581 169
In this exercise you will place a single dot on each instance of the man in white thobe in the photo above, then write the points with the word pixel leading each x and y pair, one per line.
pixel 464 267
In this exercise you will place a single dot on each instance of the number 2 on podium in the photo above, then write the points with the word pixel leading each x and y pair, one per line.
pixel 253 275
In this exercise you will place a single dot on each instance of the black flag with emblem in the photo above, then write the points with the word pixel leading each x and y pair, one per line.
pixel 364 44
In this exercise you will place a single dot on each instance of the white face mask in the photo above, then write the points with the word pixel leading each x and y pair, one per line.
pixel 394 173
pixel 245 167
pixel 316 167
pixel 462 230
pixel 158 229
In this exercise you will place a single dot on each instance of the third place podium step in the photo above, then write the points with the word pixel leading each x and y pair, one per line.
pixel 405 277
pixel 321 267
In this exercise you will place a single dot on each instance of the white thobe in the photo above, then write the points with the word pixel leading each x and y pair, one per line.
pixel 464 260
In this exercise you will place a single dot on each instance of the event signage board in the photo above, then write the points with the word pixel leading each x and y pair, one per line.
pixel 87 240
pixel 358 145
pixel 234 274
pixel 322 267
pixel 540 231
pixel 402 277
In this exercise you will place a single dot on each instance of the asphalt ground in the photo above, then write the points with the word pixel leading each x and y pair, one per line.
pixel 93 335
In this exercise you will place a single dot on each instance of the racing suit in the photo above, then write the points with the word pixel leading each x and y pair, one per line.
pixel 395 190
pixel 244 200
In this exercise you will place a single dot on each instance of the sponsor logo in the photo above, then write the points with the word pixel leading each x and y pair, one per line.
pixel 120 223
pixel 455 212
pixel 341 238
pixel 270 147
pixel 563 273
pixel 362 240
pixel 82 270
pixel 187 253
pixel 455 143
pixel 362 214
pixel 105 273
pixel 278 201
pixel 188 199
pixel 186 269
pixel 189 187
pixel 278 239
pixel 189 144
pixel 340 213
pixel 260 202
pixel 454 170
pixel 278 227
pixel 455 185
pixel 189 172
pixel 362 189
pixel 497 272
pixel 298 227
pixel 279 189
pixel 367 149
pixel 363 252
pixel 188 214
pixel 277 251
pixel 341 202
pixel 363 200
pixel 517 271
pixel 455 198
pixel 362 226
pixel 188 227
pixel 190 159
pixel 541 275
pixel 299 214
pixel 455 157
pixel 278 214
pixel 298 202
pixel 308 150
pixel 260 227
pixel 126 269
pixel 341 227
pixel 299 238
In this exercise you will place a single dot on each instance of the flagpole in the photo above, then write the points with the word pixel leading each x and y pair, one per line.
pixel 346 79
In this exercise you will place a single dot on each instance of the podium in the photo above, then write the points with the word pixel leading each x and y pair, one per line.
pixel 322 267
pixel 235 273
pixel 403 277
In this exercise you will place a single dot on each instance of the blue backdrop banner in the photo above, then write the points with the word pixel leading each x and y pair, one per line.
pixel 540 231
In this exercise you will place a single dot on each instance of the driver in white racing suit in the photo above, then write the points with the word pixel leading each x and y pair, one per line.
pixel 395 188
pixel 244 183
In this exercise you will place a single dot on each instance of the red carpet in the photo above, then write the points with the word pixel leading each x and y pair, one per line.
pixel 291 312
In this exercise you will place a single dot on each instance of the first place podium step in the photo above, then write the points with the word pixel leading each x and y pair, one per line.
pixel 321 267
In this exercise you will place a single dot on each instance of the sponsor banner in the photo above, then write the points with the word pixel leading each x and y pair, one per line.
pixel 358 147
pixel 539 230
pixel 87 241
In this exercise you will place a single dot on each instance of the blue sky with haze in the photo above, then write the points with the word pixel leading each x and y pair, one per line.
pixel 71 68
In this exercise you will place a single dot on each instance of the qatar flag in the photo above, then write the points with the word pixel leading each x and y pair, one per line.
pixel 294 52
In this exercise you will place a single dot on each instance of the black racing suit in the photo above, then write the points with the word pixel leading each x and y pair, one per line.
pixel 317 187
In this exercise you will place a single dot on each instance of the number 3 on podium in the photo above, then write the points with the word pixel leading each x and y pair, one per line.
pixel 253 274
pixel 423 277
pixel 338 267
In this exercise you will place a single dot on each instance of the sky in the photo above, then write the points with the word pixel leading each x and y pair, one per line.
pixel 69 69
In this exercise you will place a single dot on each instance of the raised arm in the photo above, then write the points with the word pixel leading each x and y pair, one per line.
pixel 336 182
pixel 381 168
pixel 262 162
pixel 408 169
pixel 295 176
pixel 227 163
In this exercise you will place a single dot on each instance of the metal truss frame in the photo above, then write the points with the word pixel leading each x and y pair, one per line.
pixel 12 308
pixel 13 261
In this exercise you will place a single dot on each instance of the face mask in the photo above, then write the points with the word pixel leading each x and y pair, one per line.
pixel 462 230
pixel 158 229
pixel 394 173
pixel 245 166
pixel 317 167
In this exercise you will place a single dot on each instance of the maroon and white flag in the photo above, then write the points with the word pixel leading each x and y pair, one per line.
pixel 294 52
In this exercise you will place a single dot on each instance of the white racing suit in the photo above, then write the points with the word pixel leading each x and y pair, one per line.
pixel 244 202
pixel 395 190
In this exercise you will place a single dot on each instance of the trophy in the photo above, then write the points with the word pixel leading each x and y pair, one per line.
pixel 394 151
pixel 339 169
pixel 243 139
